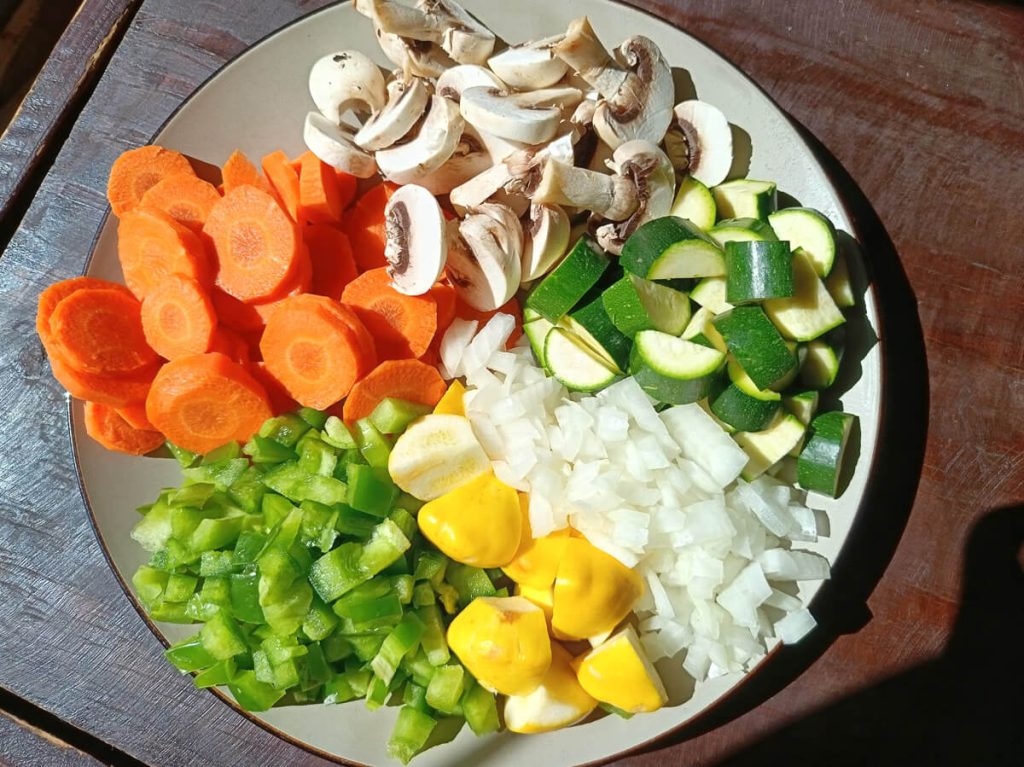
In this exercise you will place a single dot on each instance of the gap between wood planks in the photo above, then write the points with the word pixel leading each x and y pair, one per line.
pixel 53 728
pixel 55 132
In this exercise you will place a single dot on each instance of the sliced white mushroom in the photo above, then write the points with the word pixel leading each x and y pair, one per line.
pixel 465 39
pixel 531 118
pixel 654 177
pixel 707 139
pixel 407 101
pixel 545 241
pixel 454 81
pixel 529 66
pixel 585 55
pixel 470 158
pixel 642 106
pixel 416 247
pixel 406 21
pixel 479 188
pixel 346 80
pixel 483 264
pixel 429 149
pixel 589 151
pixel 611 196
pixel 334 145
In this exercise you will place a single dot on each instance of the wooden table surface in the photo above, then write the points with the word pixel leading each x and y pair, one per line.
pixel 917 108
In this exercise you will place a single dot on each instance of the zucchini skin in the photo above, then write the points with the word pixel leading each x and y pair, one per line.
pixel 756 344
pixel 756 270
pixel 819 465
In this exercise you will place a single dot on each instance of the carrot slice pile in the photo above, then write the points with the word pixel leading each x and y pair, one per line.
pixel 299 284
pixel 311 350
pixel 178 318
pixel 257 246
pixel 99 331
pixel 347 185
pixel 184 197
pixel 203 401
pixel 114 390
pixel 137 170
pixel 234 313
pixel 410 380
pixel 331 255
pixel 280 400
pixel 239 171
pixel 105 425
pixel 152 245
pixel 285 182
pixel 364 226
pixel 231 345
pixel 402 326
pixel 445 299
pixel 319 195
pixel 135 415
pixel 57 292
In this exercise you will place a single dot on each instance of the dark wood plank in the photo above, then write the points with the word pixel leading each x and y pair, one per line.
pixel 35 131
pixel 923 105
pixel 22 745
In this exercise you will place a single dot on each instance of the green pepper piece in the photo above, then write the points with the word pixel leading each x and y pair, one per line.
pixel 171 612
pixel 286 616
pixel 403 586
pixel 406 522
pixel 416 696
pixel 480 709
pixel 180 587
pixel 315 418
pixel 248 547
pixel 219 673
pixel 393 416
pixel 372 444
pixel 338 571
pixel 214 596
pixel 264 450
pixel 222 473
pixel 423 594
pixel 470 582
pixel 216 533
pixel 338 689
pixel 225 452
pixel 371 613
pixel 446 687
pixel 216 563
pixel 296 484
pixel 336 433
pixel 245 597
pixel 285 429
pixel 412 730
pixel 366 646
pixel 251 694
pixel 149 585
pixel 430 566
pixel 386 544
pixel 408 502
pixel 189 654
pixel 354 523
pixel 153 530
pixel 221 637
pixel 274 508
pixel 192 495
pixel 434 640
pixel 314 669
pixel 247 491
pixel 370 490
pixel 399 643
pixel 320 621
pixel 376 694
pixel 316 456
pixel 336 648
pixel 184 457
pixel 418 667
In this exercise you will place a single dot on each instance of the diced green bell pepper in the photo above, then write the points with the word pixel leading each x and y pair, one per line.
pixel 180 587
pixel 393 416
pixel 337 434
pixel 264 450
pixel 219 673
pixel 370 490
pixel 285 429
pixel 221 637
pixel 296 484
pixel 221 473
pixel 400 642
pixel 470 582
pixel 372 444
pixel 251 694
pixel 446 688
pixel 480 709
pixel 320 621
pixel 189 654
pixel 434 640
pixel 412 729
pixel 245 597
pixel 316 456
pixel 315 418
pixel 185 458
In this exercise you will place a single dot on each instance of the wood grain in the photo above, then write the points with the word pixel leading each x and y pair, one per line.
pixel 22 745
pixel 922 103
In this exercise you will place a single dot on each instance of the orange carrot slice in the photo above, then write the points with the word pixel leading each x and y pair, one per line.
pixel 239 171
pixel 311 351
pixel 231 345
pixel 137 170
pixel 364 226
pixel 331 255
pixel 105 425
pixel 135 415
pixel 347 184
pixel 99 331
pixel 114 390
pixel 298 285
pixel 445 298
pixel 284 181
pixel 184 197
pixel 151 245
pixel 178 318
pixel 234 313
pixel 402 326
pixel 57 292
pixel 410 380
pixel 257 246
pixel 280 400
pixel 203 401
pixel 319 195
pixel 362 338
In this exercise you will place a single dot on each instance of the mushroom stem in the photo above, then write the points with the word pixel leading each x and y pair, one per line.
pixel 612 197
pixel 584 53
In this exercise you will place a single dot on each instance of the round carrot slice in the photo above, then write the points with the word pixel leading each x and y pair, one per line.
pixel 256 245
pixel 410 380
pixel 402 326
pixel 135 415
pixel 311 351
pixel 105 425
pixel 184 197
pixel 116 391
pixel 361 337
pixel 178 318
pixel 331 255
pixel 99 330
pixel 58 291
pixel 229 343
pixel 233 313
pixel 239 171
pixel 136 171
pixel 203 401
pixel 151 245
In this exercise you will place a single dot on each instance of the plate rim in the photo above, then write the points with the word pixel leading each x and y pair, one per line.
pixel 665 738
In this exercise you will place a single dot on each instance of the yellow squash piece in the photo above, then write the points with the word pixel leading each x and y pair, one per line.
pixel 536 560
pixel 477 524
pixel 618 672
pixel 559 700
pixel 543 598
pixel 593 591
pixel 451 402
pixel 503 642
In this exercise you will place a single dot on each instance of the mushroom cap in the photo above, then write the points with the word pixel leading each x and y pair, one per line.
pixel 531 118
pixel 334 145
pixel 464 39
pixel 481 265
pixel 528 66
pixel 454 81
pixel 545 241
pixel 434 143
pixel 653 175
pixel 580 48
pixel 470 158
pixel 708 140
pixel 642 106
pixel 417 240
pixel 346 80
pixel 407 101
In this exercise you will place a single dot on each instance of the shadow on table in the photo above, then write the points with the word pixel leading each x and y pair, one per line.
pixel 963 708
pixel 840 606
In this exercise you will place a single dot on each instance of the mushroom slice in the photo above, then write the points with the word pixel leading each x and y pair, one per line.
pixel 454 81
pixel 346 80
pixel 584 53
pixel 529 66
pixel 654 177
pixel 433 144
pixel 531 118
pixel 417 241
pixel 642 106
pixel 482 265
pixel 464 38
pixel 707 139
pixel 335 146
pixel 405 21
pixel 407 101
pixel 545 241
pixel 470 158
pixel 612 197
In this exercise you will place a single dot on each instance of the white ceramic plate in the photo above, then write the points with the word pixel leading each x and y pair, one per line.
pixel 257 103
